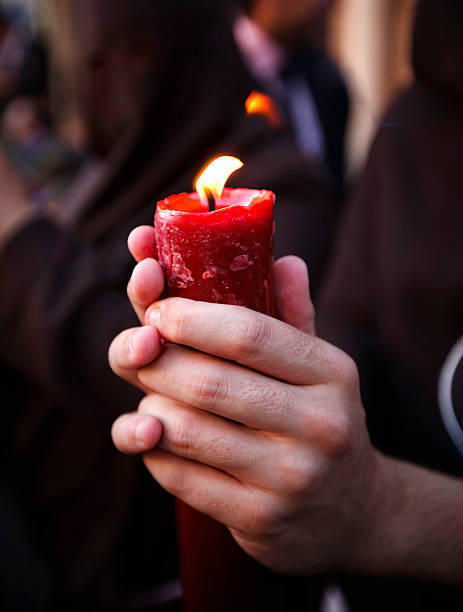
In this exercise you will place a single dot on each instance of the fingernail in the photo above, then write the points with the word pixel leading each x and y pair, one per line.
pixel 132 340
pixel 139 435
pixel 130 343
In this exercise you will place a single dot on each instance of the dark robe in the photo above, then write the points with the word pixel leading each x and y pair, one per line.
pixel 394 294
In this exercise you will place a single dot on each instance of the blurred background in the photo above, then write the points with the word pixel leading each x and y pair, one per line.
pixel 369 40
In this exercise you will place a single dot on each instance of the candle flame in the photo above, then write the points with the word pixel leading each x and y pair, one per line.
pixel 258 103
pixel 215 175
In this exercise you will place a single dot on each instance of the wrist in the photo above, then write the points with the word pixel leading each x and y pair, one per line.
pixel 372 516
pixel 413 524
pixel 377 550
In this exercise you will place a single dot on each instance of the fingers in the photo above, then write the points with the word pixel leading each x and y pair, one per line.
pixel 145 286
pixel 135 433
pixel 249 338
pixel 133 349
pixel 206 489
pixel 248 455
pixel 225 389
pixel 292 291
pixel 142 242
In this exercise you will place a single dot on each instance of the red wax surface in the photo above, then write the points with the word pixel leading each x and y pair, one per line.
pixel 223 256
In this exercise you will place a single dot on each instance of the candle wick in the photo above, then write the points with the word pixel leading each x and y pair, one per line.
pixel 210 199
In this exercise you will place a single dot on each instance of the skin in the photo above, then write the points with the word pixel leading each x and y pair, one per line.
pixel 110 42
pixel 259 424
pixel 290 22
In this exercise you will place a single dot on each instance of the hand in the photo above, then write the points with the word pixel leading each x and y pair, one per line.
pixel 135 432
pixel 262 424
pixel 297 481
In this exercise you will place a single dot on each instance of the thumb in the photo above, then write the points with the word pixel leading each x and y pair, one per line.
pixel 292 293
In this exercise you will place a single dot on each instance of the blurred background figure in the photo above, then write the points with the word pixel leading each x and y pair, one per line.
pixel 371 43
pixel 45 162
pixel 282 43
pixel 394 294
pixel 23 66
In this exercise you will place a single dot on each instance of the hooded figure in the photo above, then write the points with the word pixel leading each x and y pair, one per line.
pixel 163 88
pixel 394 294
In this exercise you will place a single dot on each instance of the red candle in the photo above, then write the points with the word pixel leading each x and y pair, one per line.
pixel 225 256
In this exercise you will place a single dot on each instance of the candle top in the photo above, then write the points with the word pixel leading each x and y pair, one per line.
pixel 191 202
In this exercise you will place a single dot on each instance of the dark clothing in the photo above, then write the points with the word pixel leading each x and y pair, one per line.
pixel 394 301
pixel 331 98
pixel 63 300
pixel 394 296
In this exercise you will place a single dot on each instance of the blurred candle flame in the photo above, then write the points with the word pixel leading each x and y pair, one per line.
pixel 258 103
pixel 215 175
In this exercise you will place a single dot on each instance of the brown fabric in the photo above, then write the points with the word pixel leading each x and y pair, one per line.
pixel 437 46
pixel 394 295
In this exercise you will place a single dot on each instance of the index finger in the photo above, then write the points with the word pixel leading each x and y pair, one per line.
pixel 252 339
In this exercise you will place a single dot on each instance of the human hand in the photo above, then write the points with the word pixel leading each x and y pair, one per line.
pixel 147 282
pixel 262 426
pixel 134 433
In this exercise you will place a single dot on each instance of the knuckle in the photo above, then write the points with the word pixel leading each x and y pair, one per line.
pixel 329 427
pixel 340 436
pixel 336 435
pixel 180 436
pixel 264 520
pixel 210 388
pixel 177 319
pixel 252 337
pixel 297 476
